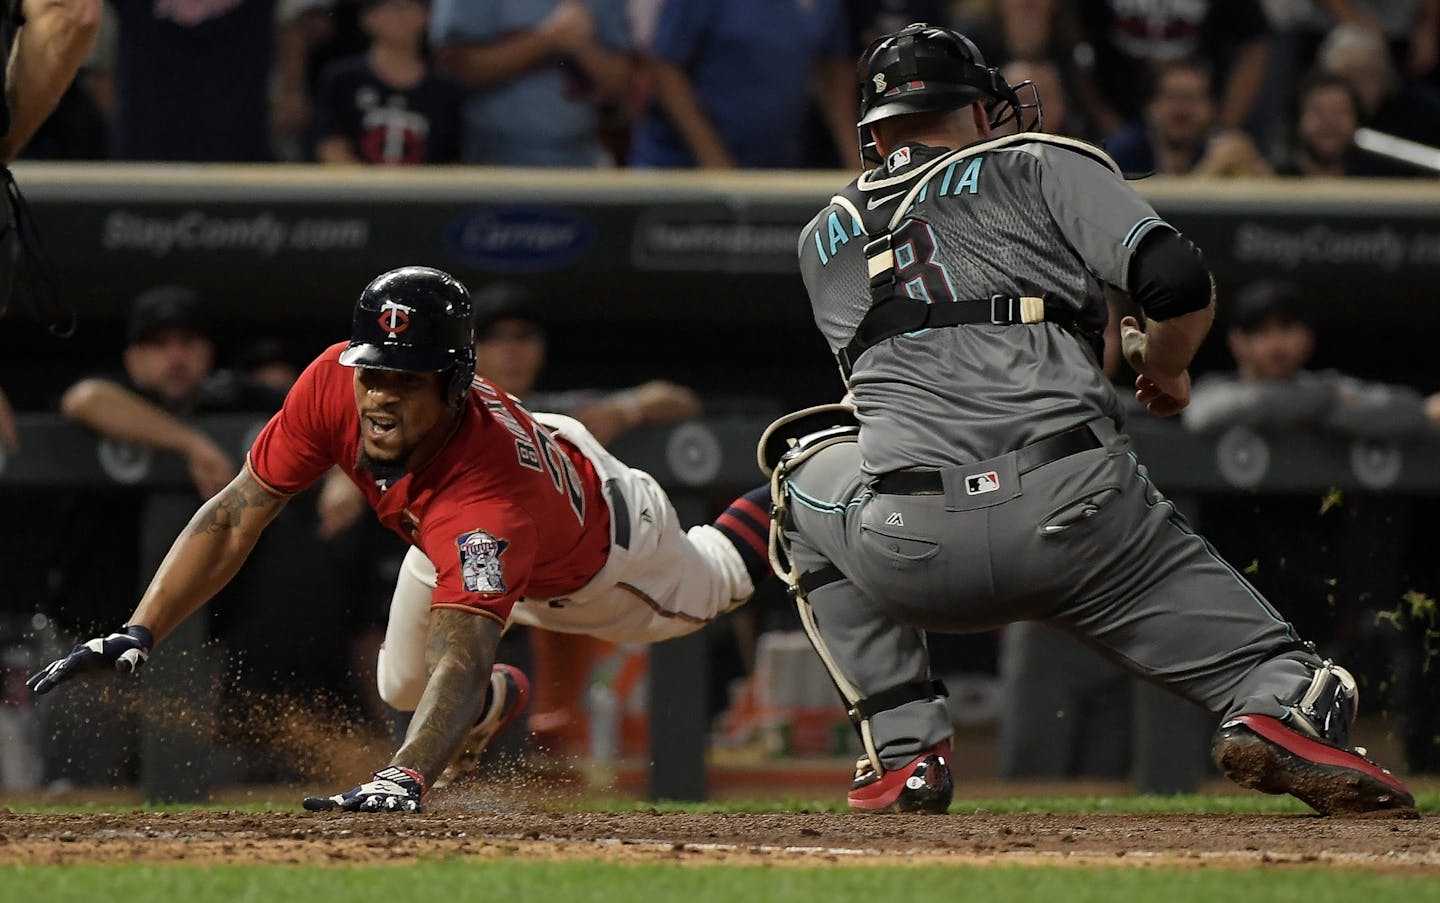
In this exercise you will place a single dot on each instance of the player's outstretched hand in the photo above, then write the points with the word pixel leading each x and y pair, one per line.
pixel 395 789
pixel 125 652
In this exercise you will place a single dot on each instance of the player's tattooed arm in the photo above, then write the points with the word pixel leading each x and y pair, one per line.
pixel 458 656
pixel 207 553
pixel 242 505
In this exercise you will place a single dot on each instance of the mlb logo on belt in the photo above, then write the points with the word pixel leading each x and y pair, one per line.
pixel 981 483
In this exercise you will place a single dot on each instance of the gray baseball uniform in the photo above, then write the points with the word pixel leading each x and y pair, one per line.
pixel 986 526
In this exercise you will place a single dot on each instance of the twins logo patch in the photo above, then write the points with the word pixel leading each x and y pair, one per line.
pixel 981 483
pixel 480 566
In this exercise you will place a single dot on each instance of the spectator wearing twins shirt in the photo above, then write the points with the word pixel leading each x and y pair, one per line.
pixel 387 106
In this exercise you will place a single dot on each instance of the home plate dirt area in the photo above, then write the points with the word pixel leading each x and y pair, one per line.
pixel 488 829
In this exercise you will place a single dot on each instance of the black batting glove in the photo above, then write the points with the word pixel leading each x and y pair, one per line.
pixel 395 789
pixel 125 652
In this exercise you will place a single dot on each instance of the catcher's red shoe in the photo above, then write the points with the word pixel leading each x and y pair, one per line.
pixel 923 785
pixel 509 692
pixel 1260 752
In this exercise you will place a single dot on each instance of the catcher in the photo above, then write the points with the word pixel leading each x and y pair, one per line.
pixel 983 476
pixel 509 517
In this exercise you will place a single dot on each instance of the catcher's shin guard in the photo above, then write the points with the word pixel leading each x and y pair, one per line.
pixel 925 784
pixel 509 691
pixel 1308 755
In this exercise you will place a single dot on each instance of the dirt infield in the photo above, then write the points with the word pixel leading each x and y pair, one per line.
pixel 487 829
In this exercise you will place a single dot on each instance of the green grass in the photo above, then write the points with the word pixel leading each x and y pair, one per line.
pixel 600 882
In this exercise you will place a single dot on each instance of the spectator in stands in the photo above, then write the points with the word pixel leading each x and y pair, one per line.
pixel 1327 113
pixel 535 73
pixel 169 377
pixel 388 106
pixel 1387 104
pixel 730 82
pixel 1179 134
pixel 192 81
pixel 510 350
pixel 1272 342
pixel 1126 41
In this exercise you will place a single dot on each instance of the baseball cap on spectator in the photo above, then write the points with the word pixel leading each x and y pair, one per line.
pixel 161 308
pixel 504 301
pixel 1267 300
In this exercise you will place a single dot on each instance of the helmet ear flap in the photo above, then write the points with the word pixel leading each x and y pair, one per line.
pixel 457 386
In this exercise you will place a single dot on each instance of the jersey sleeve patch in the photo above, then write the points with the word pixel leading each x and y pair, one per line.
pixel 481 569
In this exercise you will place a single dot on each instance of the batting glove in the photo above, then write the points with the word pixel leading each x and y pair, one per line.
pixel 125 652
pixel 395 789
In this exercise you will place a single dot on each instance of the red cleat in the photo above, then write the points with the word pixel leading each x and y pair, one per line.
pixel 923 785
pixel 1260 752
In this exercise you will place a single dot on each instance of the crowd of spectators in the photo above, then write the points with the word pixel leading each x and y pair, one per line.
pixel 1244 87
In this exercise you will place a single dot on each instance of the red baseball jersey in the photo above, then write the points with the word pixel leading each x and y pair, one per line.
pixel 504 510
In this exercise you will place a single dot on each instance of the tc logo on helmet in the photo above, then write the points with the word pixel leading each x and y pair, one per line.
pixel 395 318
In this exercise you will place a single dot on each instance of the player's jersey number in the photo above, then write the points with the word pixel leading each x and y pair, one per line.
pixel 562 471
pixel 916 269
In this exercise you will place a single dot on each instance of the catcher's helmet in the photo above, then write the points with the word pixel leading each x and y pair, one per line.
pixel 925 68
pixel 415 319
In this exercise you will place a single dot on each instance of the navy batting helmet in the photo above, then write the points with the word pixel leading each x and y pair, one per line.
pixel 415 319
pixel 923 69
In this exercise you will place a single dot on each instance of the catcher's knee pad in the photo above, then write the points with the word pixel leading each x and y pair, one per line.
pixel 806 427
pixel 786 444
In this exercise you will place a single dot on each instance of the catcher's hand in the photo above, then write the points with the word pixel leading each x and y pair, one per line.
pixel 395 789
pixel 125 652
pixel 1163 395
